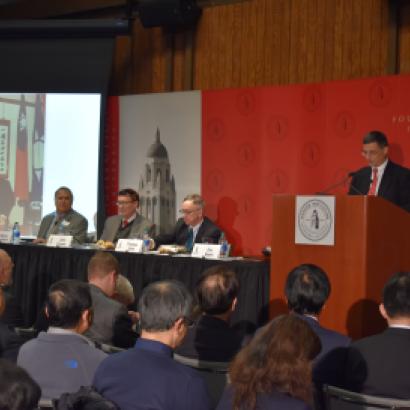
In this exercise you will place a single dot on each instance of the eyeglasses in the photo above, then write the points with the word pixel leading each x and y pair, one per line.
pixel 123 203
pixel 188 211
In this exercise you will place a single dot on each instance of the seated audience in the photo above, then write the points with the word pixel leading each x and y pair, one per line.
pixel 211 338
pixel 124 292
pixel 193 227
pixel 64 220
pixel 18 391
pixel 10 342
pixel 307 289
pixel 128 223
pixel 147 377
pixel 62 360
pixel 274 370
pixel 111 325
pixel 379 365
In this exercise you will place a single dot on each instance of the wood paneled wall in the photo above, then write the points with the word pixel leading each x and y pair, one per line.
pixel 252 43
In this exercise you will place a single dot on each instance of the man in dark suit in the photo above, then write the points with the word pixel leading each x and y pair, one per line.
pixel 211 338
pixel 307 289
pixel 147 377
pixel 128 223
pixel 379 365
pixel 64 220
pixel 382 177
pixel 112 324
pixel 193 227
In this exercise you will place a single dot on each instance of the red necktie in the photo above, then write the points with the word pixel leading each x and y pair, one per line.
pixel 373 185
pixel 124 223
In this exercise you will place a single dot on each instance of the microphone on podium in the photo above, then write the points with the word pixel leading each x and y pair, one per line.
pixel 340 183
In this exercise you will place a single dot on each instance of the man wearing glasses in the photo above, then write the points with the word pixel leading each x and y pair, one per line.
pixel 193 227
pixel 128 223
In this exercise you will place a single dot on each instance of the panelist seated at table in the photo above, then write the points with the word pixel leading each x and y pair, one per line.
pixel 64 220
pixel 128 224
pixel 193 227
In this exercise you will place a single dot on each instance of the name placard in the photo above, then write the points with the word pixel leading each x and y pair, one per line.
pixel 206 250
pixel 6 236
pixel 60 241
pixel 129 245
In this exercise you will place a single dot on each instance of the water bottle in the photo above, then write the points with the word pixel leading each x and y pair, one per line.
pixel 16 233
pixel 224 246
pixel 146 245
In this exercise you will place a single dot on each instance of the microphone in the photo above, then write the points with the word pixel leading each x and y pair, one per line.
pixel 337 184
pixel 352 187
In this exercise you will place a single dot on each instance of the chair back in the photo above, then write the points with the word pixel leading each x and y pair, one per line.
pixel 213 373
pixel 340 399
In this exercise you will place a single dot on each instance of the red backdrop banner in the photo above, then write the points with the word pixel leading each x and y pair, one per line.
pixel 291 139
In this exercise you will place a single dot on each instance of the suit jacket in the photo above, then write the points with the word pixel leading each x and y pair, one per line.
pixel 180 233
pixel 139 226
pixel 328 365
pixel 147 377
pixel 75 225
pixel 210 339
pixel 379 365
pixel 10 343
pixel 60 363
pixel 394 186
pixel 111 323
pixel 273 400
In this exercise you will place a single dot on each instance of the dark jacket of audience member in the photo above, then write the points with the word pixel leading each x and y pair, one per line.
pixel 62 360
pixel 379 365
pixel 307 289
pixel 18 391
pixel 211 338
pixel 274 370
pixel 147 377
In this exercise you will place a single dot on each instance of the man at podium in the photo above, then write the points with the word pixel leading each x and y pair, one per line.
pixel 382 177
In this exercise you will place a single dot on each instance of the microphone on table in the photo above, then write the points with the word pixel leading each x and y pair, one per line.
pixel 340 183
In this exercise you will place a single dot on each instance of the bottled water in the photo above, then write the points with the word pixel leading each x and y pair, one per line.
pixel 16 233
pixel 224 245
pixel 146 246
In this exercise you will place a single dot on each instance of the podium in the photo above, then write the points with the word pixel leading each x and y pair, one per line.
pixel 372 241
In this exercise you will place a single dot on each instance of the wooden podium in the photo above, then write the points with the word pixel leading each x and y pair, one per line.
pixel 372 241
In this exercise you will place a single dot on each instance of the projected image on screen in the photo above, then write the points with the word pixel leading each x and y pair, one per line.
pixel 47 141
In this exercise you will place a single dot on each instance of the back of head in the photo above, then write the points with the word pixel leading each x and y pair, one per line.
pixel 277 359
pixel 307 288
pixel 162 303
pixel 101 264
pixel 376 136
pixel 18 391
pixel 216 290
pixel 67 300
pixel 396 295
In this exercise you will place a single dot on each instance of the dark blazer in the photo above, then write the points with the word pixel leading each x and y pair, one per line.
pixel 274 400
pixel 394 186
pixel 180 233
pixel 76 225
pixel 10 343
pixel 210 339
pixel 138 227
pixel 379 365
pixel 147 377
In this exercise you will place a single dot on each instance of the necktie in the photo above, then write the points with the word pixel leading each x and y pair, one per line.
pixel 373 185
pixel 124 223
pixel 190 240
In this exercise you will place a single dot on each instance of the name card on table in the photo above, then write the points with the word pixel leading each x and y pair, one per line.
pixel 6 236
pixel 129 245
pixel 206 250
pixel 60 241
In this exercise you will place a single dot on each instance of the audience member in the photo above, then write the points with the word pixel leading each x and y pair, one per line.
pixel 64 220
pixel 124 292
pixel 128 223
pixel 274 370
pixel 211 338
pixel 379 365
pixel 18 391
pixel 193 227
pixel 10 342
pixel 62 360
pixel 147 377
pixel 307 289
pixel 111 325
